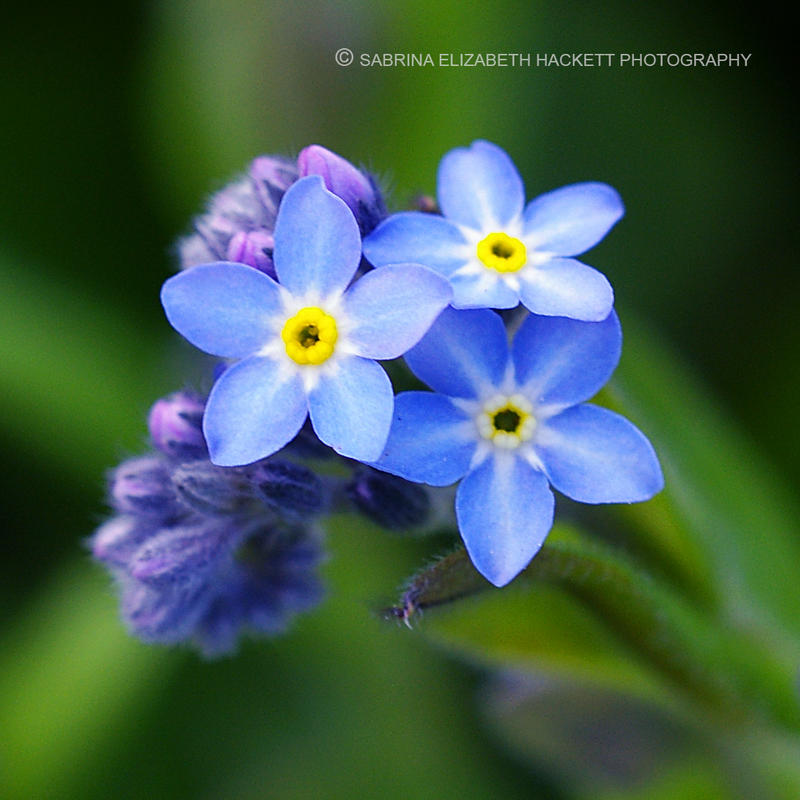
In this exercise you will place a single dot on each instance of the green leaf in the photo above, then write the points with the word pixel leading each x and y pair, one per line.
pixel 607 745
pixel 600 743
pixel 724 510
pixel 582 610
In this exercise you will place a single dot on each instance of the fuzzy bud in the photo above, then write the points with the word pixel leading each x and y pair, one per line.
pixel 271 177
pixel 209 489
pixel 181 555
pixel 175 424
pixel 253 248
pixel 289 488
pixel 345 181
pixel 116 540
pixel 142 486
pixel 389 501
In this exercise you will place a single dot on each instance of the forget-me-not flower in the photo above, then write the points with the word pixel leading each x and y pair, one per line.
pixel 307 344
pixel 495 250
pixel 508 422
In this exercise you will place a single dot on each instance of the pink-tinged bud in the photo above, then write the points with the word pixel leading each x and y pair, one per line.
pixel 175 424
pixel 142 486
pixel 271 177
pixel 276 171
pixel 344 180
pixel 117 540
pixel 253 248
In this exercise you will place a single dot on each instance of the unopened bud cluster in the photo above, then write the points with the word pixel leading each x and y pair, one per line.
pixel 203 554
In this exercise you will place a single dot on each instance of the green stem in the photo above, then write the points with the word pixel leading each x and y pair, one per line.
pixel 729 672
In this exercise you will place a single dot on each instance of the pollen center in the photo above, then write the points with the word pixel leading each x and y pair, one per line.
pixel 310 336
pixel 507 421
pixel 502 253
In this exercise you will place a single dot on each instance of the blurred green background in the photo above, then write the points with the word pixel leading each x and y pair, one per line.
pixel 117 123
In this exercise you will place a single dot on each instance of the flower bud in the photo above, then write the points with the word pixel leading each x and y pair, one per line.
pixel 253 248
pixel 345 181
pixel 389 501
pixel 175 424
pixel 142 486
pixel 116 540
pixel 209 489
pixel 167 616
pixel 247 205
pixel 271 177
pixel 181 555
pixel 289 488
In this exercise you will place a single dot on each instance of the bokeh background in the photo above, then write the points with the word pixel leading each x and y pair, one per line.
pixel 117 123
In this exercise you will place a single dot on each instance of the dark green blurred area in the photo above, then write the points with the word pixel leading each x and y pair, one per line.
pixel 117 124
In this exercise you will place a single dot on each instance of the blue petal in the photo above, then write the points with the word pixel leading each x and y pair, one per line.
pixel 431 441
pixel 225 309
pixel 485 289
pixel 392 308
pixel 416 238
pixel 464 354
pixel 351 408
pixel 570 220
pixel 596 456
pixel 504 509
pixel 317 243
pixel 480 187
pixel 562 361
pixel 254 409
pixel 564 287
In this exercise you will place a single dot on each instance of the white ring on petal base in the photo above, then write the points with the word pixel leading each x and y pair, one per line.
pixel 515 404
pixel 484 275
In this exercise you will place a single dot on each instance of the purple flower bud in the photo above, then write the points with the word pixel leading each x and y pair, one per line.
pixel 181 555
pixel 275 578
pixel 116 540
pixel 235 207
pixel 390 501
pixel 247 206
pixel 344 180
pixel 290 488
pixel 175 424
pixel 164 616
pixel 271 177
pixel 253 248
pixel 208 489
pixel 142 486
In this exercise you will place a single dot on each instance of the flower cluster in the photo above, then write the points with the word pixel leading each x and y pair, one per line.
pixel 299 281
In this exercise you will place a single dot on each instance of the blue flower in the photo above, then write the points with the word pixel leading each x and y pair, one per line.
pixel 508 422
pixel 307 344
pixel 495 250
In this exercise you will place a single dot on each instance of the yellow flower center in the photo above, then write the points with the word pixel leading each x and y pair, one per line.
pixel 501 252
pixel 309 336
pixel 507 421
